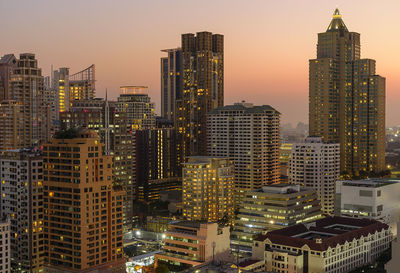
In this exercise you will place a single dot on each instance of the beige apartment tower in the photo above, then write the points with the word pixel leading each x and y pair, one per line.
pixel 347 100
pixel 207 189
pixel 248 135
pixel 83 221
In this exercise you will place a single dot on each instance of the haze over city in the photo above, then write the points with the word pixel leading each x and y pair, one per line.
pixel 267 43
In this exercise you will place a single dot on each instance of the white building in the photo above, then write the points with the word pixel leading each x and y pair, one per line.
pixel 316 165
pixel 21 199
pixel 249 135
pixel 328 245
pixel 376 199
pixel 5 259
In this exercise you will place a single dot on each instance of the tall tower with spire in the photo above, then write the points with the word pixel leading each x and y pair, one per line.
pixel 347 100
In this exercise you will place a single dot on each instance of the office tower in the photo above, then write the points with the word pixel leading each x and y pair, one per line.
pixel 203 90
pixel 22 200
pixel 376 199
pixel 5 261
pixel 156 166
pixel 11 124
pixel 332 244
pixel 347 100
pixel 82 84
pixel 316 165
pixel 191 243
pixel 171 82
pixel 83 221
pixel 207 189
pixel 270 208
pixel 249 135
pixel 135 103
pixel 50 96
pixel 103 117
pixel 60 83
pixel 7 65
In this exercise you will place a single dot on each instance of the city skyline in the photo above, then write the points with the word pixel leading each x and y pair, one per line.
pixel 256 35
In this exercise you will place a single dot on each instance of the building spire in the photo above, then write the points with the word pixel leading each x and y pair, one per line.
pixel 337 22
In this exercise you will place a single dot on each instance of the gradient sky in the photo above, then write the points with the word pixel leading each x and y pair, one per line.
pixel 267 43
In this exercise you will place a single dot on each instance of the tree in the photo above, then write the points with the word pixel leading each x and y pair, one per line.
pixel 162 268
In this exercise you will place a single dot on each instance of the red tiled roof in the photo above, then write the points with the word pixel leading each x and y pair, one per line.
pixel 285 236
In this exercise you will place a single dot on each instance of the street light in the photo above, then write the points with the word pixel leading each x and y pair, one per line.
pixel 138 233
pixel 163 236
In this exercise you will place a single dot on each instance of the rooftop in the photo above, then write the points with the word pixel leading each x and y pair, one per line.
pixel 324 233
pixel 245 107
pixel 370 183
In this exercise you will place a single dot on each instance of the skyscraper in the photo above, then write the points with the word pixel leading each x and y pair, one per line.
pixel 83 221
pixel 103 117
pixel 207 189
pixel 5 261
pixel 248 135
pixel 203 90
pixel 316 165
pixel 7 65
pixel 135 102
pixel 347 100
pixel 156 165
pixel 22 200
pixel 171 82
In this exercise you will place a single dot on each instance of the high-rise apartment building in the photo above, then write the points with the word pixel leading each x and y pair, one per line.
pixel 83 211
pixel 249 135
pixel 207 189
pixel 156 165
pixel 5 260
pixel 103 117
pixel 21 199
pixel 316 165
pixel 23 84
pixel 11 124
pixel 82 84
pixel 203 90
pixel 135 103
pixel 60 83
pixel 171 82
pixel 347 100
pixel 270 208
pixel 7 65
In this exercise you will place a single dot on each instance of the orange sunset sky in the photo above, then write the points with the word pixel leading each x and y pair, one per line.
pixel 267 43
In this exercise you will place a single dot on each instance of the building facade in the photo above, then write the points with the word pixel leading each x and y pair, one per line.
pixel 329 245
pixel 189 244
pixel 347 100
pixel 11 122
pixel 203 90
pixel 316 165
pixel 156 169
pixel 271 208
pixel 7 64
pixel 370 198
pixel 5 235
pixel 207 189
pixel 135 103
pixel 83 211
pixel 21 200
pixel 171 82
pixel 103 117
pixel 249 135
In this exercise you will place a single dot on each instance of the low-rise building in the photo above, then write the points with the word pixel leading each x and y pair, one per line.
pixel 189 243
pixel 332 244
pixel 273 207
pixel 5 249
pixel 376 199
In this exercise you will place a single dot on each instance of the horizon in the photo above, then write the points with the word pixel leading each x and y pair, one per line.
pixel 124 41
